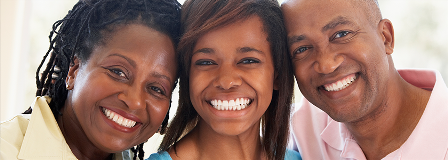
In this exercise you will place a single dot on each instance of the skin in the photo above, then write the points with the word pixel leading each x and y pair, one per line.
pixel 231 62
pixel 330 40
pixel 131 74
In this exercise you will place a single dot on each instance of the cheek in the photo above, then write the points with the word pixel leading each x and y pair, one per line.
pixel 157 112
pixel 300 73
pixel 198 82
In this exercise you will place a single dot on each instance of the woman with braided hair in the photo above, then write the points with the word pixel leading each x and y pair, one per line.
pixel 110 72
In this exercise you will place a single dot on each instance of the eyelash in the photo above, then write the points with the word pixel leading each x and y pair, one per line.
pixel 117 73
pixel 157 90
pixel 210 62
pixel 204 62
pixel 249 61
pixel 301 49
pixel 120 75
pixel 334 37
pixel 347 36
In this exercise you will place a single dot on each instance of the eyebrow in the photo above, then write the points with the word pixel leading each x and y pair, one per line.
pixel 248 49
pixel 130 61
pixel 295 39
pixel 239 50
pixel 340 20
pixel 161 76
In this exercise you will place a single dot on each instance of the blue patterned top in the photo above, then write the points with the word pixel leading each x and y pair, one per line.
pixel 163 155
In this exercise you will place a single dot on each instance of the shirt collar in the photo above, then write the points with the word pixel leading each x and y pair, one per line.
pixel 430 133
pixel 43 138
pixel 337 135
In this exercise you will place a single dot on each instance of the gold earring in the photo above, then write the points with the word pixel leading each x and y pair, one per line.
pixel 67 86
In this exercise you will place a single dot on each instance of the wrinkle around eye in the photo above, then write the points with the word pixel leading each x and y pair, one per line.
pixel 301 52
pixel 158 92
pixel 348 35
pixel 117 73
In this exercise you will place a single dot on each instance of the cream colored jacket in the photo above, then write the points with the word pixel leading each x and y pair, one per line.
pixel 37 136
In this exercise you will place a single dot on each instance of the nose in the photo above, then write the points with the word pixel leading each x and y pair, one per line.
pixel 327 61
pixel 133 97
pixel 227 77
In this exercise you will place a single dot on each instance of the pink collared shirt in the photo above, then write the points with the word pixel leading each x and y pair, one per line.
pixel 319 137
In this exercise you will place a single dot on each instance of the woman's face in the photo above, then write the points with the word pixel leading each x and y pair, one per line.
pixel 121 94
pixel 232 77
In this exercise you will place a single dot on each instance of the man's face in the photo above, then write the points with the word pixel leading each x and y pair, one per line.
pixel 340 59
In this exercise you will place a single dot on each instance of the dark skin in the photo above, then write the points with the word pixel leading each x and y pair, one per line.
pixel 229 63
pixel 119 97
pixel 331 41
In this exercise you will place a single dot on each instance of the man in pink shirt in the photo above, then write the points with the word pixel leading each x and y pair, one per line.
pixel 358 106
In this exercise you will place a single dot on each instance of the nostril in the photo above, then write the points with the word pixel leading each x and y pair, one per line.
pixel 227 82
pixel 328 65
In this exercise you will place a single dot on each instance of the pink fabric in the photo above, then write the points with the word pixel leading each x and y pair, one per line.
pixel 318 137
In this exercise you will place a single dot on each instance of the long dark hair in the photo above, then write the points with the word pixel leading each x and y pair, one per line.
pixel 202 16
pixel 87 25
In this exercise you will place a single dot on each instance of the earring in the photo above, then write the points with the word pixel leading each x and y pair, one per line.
pixel 67 86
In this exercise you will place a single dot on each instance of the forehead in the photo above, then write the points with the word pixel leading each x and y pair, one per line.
pixel 316 14
pixel 245 32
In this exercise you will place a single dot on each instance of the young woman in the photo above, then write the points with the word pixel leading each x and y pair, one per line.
pixel 107 85
pixel 237 83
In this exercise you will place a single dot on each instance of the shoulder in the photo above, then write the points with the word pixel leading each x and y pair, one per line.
pixel 307 115
pixel 12 133
pixel 163 155
pixel 292 155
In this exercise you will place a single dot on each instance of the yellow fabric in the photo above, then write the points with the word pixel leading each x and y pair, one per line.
pixel 36 136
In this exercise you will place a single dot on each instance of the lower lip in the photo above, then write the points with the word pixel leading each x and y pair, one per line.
pixel 119 127
pixel 230 113
pixel 342 93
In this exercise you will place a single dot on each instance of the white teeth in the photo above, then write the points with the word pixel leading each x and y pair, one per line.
pixel 341 84
pixel 119 119
pixel 237 104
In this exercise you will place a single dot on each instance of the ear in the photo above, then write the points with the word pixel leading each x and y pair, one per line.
pixel 387 30
pixel 72 73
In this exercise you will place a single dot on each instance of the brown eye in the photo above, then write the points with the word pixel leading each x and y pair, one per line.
pixel 204 62
pixel 300 50
pixel 157 90
pixel 249 61
pixel 117 73
pixel 341 34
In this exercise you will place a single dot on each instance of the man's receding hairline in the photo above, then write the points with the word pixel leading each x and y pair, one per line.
pixel 372 9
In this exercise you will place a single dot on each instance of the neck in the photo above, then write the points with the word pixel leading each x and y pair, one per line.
pixel 204 143
pixel 75 137
pixel 394 120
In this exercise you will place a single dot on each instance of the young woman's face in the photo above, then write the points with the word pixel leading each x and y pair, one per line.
pixel 232 77
pixel 121 94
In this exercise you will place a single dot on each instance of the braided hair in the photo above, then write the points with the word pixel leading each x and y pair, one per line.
pixel 87 25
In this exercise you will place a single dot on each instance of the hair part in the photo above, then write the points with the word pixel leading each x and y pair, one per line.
pixel 198 18
pixel 89 24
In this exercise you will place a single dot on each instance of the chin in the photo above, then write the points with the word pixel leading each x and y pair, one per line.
pixel 231 129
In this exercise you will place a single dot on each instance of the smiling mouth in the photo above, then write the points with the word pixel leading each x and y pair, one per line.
pixel 341 84
pixel 232 105
pixel 120 120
